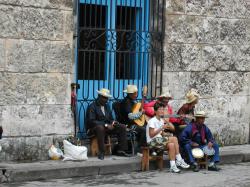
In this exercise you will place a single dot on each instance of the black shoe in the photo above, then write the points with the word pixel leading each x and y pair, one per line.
pixel 122 153
pixel 101 156
pixel 195 167
pixel 213 168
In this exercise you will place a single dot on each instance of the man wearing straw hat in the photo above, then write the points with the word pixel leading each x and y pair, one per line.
pixel 198 135
pixel 100 121
pixel 168 110
pixel 186 112
pixel 192 98
pixel 128 116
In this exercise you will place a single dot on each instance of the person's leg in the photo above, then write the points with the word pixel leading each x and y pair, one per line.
pixel 188 150
pixel 216 157
pixel 174 140
pixel 171 153
pixel 99 131
pixel 193 163
pixel 180 162
pixel 121 132
pixel 141 136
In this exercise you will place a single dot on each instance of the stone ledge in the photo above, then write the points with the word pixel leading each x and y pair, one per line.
pixel 17 172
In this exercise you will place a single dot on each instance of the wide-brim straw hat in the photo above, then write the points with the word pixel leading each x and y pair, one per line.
pixel 131 89
pixel 192 95
pixel 200 114
pixel 104 92
pixel 165 95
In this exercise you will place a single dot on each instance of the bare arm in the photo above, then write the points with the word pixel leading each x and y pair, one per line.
pixel 153 131
pixel 170 126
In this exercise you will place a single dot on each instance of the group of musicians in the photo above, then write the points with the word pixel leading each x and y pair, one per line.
pixel 162 131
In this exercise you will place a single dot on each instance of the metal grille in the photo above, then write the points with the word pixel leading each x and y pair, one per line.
pixel 120 42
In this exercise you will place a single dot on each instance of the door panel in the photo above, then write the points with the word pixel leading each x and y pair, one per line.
pixel 114 49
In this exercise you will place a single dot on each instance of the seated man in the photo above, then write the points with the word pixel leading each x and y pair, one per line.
pixel 168 110
pixel 100 121
pixel 192 98
pixel 197 134
pixel 128 116
pixel 157 140
pixel 186 112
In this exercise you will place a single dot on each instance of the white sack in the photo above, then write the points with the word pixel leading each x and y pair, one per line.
pixel 72 152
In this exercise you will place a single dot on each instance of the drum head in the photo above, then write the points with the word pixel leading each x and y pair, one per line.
pixel 197 153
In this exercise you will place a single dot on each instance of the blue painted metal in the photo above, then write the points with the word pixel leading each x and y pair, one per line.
pixel 88 88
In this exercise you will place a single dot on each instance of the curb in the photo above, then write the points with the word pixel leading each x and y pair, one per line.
pixel 20 172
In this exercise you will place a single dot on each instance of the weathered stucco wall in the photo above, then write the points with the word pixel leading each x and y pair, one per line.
pixel 36 59
pixel 207 46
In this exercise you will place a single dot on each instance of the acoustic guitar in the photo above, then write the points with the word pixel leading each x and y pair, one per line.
pixel 187 118
pixel 138 107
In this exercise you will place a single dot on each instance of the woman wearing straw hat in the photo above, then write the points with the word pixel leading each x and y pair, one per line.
pixel 100 121
pixel 197 134
pixel 128 116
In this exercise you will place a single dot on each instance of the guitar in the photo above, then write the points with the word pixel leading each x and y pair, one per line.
pixel 138 107
pixel 187 118
pixel 190 117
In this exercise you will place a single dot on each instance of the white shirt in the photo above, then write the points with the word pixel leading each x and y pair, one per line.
pixel 103 110
pixel 155 124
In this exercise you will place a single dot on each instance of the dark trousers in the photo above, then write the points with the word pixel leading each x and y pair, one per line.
pixel 140 135
pixel 119 130
pixel 188 150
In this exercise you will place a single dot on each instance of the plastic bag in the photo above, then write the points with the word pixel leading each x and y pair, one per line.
pixel 55 153
pixel 72 152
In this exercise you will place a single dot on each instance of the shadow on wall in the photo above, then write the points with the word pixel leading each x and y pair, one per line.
pixel 1 132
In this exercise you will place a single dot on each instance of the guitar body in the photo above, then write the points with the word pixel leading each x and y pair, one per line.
pixel 138 108
pixel 140 121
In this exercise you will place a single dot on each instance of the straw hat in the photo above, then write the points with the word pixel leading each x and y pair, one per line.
pixel 166 95
pixel 192 95
pixel 201 114
pixel 194 92
pixel 104 92
pixel 131 89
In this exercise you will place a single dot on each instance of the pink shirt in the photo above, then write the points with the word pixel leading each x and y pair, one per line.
pixel 149 111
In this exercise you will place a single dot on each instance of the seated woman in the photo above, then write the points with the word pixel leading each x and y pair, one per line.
pixel 157 140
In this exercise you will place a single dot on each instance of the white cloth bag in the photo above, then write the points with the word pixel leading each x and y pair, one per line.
pixel 72 152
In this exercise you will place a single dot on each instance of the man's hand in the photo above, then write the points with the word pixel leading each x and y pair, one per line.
pixel 110 126
pixel 194 144
pixel 165 126
pixel 210 145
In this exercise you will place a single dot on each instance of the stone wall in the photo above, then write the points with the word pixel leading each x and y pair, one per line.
pixel 36 65
pixel 207 46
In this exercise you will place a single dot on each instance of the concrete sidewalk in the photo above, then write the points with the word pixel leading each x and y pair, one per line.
pixel 14 172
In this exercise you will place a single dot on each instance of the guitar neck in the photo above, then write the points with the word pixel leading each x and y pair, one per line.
pixel 177 116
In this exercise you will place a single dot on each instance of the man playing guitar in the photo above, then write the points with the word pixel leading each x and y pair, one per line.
pixel 192 98
pixel 168 111
pixel 126 110
pixel 176 122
